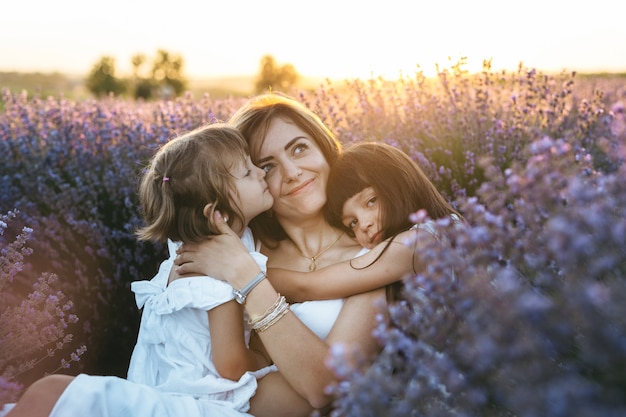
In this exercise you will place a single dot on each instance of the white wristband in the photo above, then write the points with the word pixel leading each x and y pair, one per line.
pixel 240 295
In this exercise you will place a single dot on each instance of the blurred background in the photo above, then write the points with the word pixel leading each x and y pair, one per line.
pixel 222 47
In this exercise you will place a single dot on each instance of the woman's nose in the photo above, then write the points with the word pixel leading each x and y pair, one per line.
pixel 291 171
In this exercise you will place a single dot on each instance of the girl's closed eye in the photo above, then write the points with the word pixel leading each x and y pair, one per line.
pixel 266 168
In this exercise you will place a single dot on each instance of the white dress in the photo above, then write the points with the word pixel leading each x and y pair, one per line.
pixel 173 350
pixel 160 387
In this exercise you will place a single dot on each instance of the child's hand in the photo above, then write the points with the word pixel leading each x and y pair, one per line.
pixel 175 275
pixel 223 256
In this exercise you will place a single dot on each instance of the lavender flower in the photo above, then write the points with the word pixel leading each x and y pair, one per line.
pixel 519 313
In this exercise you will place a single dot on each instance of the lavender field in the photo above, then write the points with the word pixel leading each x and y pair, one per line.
pixel 531 323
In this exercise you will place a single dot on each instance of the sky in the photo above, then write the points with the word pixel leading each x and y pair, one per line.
pixel 322 38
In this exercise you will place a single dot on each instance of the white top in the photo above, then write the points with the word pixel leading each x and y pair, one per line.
pixel 171 388
pixel 173 350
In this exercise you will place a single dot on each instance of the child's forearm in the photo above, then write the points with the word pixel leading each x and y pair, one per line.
pixel 361 274
pixel 231 356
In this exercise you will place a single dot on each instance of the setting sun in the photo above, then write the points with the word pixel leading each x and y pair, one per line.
pixel 324 39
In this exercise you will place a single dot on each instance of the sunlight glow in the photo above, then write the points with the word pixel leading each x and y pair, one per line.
pixel 325 39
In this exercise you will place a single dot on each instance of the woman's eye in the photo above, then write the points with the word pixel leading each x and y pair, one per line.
pixel 371 201
pixel 300 147
pixel 352 224
pixel 266 168
pixel 248 172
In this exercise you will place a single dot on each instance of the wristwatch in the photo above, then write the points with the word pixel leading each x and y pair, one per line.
pixel 240 295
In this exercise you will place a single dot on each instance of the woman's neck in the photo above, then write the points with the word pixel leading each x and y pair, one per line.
pixel 313 238
pixel 310 236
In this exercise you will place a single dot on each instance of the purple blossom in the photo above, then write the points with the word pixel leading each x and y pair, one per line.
pixel 518 313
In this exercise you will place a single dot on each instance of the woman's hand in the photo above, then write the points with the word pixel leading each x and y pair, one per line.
pixel 223 256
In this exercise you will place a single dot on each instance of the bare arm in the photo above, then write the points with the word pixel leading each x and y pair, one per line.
pixel 297 351
pixel 291 344
pixel 361 274
pixel 230 354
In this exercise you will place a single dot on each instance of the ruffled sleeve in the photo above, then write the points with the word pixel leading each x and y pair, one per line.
pixel 199 292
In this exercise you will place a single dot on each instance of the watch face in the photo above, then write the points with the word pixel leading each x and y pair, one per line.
pixel 239 297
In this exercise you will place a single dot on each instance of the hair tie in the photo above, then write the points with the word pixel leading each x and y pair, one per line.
pixel 166 179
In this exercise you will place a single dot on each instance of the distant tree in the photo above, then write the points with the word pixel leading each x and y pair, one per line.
pixel 143 85
pixel 163 79
pixel 274 77
pixel 102 80
pixel 167 71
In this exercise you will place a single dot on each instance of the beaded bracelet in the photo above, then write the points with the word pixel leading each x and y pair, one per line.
pixel 253 320
pixel 271 315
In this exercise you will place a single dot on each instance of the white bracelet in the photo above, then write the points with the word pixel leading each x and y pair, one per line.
pixel 277 312
pixel 240 295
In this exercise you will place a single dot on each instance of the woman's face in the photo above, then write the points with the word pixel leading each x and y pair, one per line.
pixel 296 170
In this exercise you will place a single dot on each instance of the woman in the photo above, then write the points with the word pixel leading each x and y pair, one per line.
pixel 296 151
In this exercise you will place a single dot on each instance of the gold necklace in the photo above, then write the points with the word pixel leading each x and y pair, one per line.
pixel 312 265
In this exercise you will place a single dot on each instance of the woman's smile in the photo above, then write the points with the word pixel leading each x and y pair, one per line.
pixel 301 188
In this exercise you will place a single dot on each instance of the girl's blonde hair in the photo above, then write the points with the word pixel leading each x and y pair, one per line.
pixel 253 120
pixel 186 174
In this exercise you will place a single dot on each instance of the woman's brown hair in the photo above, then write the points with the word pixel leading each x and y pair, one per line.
pixel 253 120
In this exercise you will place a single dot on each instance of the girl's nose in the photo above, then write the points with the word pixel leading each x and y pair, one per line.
pixel 260 172
pixel 365 223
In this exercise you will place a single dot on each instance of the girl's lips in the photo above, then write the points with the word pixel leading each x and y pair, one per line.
pixel 300 187
pixel 376 238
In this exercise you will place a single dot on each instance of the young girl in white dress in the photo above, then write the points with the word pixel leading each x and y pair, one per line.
pixel 191 356
pixel 180 348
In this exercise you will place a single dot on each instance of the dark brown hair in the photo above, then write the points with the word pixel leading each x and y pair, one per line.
pixel 400 184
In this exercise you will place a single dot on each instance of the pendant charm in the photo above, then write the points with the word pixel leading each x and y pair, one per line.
pixel 312 265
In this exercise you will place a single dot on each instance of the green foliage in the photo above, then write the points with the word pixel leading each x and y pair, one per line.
pixel 161 79
pixel 274 77
pixel 102 81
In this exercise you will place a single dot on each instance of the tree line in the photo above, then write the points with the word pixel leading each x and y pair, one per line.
pixel 163 77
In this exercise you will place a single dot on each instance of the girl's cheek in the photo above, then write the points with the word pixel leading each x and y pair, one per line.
pixel 364 242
